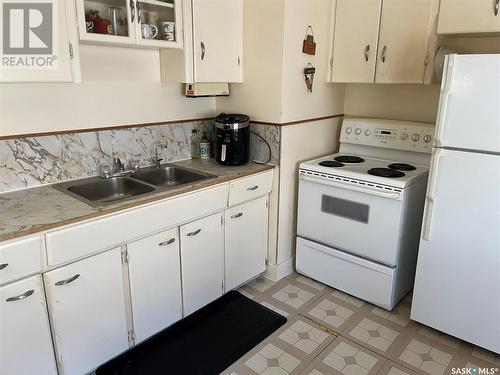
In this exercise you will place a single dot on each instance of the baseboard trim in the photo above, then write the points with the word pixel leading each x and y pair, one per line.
pixel 276 272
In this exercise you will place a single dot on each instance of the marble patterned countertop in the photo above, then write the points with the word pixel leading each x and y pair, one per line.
pixel 41 208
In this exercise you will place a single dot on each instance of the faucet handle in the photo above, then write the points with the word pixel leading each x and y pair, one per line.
pixel 118 165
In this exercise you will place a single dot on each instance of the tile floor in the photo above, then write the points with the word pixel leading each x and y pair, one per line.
pixel 330 332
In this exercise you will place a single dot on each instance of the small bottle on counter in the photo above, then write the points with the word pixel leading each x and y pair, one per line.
pixel 204 147
pixel 194 144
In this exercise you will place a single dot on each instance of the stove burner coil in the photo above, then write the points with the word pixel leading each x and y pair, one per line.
pixel 402 167
pixel 331 163
pixel 349 159
pixel 386 172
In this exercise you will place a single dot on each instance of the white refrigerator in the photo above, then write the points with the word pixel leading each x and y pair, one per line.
pixel 457 284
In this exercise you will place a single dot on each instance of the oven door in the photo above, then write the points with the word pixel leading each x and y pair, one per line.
pixel 355 219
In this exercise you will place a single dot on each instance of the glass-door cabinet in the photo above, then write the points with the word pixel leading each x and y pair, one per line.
pixel 147 23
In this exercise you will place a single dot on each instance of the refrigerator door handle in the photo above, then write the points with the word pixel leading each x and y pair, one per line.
pixel 431 195
pixel 443 102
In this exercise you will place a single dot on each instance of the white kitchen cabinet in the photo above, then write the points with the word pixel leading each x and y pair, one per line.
pixel 356 39
pixel 25 341
pixel 404 33
pixel 201 262
pixel 86 302
pixel 246 234
pixel 133 22
pixel 394 50
pixel 155 283
pixel 52 62
pixel 213 44
pixel 468 16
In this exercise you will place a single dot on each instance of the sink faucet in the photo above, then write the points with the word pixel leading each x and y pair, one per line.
pixel 118 166
pixel 157 160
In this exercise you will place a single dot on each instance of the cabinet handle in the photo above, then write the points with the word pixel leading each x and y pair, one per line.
pixel 496 7
pixel 238 61
pixel 21 296
pixel 191 234
pixel 67 281
pixel 168 242
pixel 367 50
pixel 202 50
pixel 132 11
pixel 3 265
pixel 240 214
pixel 382 55
pixel 253 187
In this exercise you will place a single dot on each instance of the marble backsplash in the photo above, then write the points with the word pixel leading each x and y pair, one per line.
pixel 28 162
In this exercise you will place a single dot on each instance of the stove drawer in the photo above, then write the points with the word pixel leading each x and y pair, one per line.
pixel 364 279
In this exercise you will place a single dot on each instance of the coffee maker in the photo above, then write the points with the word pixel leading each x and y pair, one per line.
pixel 232 139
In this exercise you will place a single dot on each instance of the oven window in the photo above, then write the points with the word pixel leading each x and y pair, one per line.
pixel 344 208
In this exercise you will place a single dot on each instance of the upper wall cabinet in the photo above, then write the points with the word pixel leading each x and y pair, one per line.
pixel 145 23
pixel 47 55
pixel 213 44
pixel 382 41
pixel 469 16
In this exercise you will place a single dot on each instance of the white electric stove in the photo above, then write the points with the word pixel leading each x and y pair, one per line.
pixel 360 210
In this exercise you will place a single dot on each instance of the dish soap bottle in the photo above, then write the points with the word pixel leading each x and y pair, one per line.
pixel 194 144
pixel 204 147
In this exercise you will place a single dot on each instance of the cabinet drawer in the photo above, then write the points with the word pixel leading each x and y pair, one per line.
pixel 250 188
pixel 19 258
pixel 100 234
pixel 364 279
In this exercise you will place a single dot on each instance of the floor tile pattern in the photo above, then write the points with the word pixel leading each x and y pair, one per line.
pixel 331 332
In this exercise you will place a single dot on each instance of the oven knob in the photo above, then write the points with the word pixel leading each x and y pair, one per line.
pixel 427 138
pixel 357 131
pixel 348 130
pixel 415 137
pixel 368 132
pixel 404 136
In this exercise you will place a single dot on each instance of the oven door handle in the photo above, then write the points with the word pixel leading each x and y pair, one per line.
pixel 391 195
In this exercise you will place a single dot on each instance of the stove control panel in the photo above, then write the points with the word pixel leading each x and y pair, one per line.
pixel 399 135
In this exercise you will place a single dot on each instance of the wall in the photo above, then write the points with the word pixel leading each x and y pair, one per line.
pixel 401 102
pixel 326 98
pixel 260 94
pixel 120 86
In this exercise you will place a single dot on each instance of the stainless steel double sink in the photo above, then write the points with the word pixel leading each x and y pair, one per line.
pixel 99 191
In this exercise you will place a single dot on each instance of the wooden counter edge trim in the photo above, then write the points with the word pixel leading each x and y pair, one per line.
pixel 105 211
pixel 100 129
pixel 297 122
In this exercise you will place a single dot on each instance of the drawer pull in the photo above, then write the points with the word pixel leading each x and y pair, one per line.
pixel 253 187
pixel 191 234
pixel 168 242
pixel 240 214
pixel 67 281
pixel 21 296
pixel 3 265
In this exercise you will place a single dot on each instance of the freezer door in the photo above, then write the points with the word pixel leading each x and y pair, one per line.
pixel 469 110
pixel 457 284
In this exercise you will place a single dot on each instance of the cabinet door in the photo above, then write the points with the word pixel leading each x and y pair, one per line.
pixel 107 21
pixel 468 16
pixel 404 33
pixel 159 24
pixel 44 56
pixel 25 342
pixel 218 40
pixel 355 40
pixel 155 282
pixel 245 242
pixel 87 307
pixel 202 262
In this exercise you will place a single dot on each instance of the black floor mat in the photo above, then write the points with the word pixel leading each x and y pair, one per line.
pixel 206 342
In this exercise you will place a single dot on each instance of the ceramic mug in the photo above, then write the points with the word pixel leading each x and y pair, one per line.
pixel 149 31
pixel 167 31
